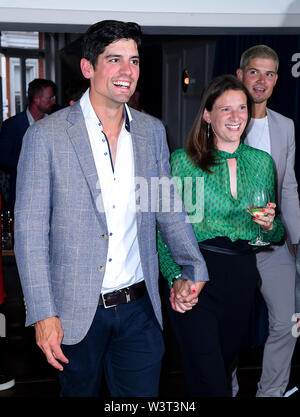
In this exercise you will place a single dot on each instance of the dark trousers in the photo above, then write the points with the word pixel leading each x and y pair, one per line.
pixel 212 334
pixel 124 341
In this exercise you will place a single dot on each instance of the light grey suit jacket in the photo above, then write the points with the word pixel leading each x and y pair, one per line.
pixel 282 140
pixel 61 233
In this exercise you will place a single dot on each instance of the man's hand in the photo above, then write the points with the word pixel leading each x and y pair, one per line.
pixel 48 335
pixel 184 294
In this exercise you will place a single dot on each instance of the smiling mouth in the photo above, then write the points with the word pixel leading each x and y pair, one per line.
pixel 233 126
pixel 122 84
pixel 259 89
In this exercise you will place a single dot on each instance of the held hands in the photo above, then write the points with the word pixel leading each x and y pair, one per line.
pixel 184 295
pixel 48 335
pixel 266 221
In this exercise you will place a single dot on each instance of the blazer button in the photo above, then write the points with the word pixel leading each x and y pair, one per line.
pixel 104 236
pixel 101 268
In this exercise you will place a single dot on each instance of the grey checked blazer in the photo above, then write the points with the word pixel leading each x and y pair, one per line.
pixel 282 139
pixel 61 235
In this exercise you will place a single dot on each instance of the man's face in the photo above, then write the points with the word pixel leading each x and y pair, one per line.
pixel 259 77
pixel 115 77
pixel 46 100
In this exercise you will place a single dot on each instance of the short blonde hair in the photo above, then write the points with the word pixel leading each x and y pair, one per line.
pixel 258 51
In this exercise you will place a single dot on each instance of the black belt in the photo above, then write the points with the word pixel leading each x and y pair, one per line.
pixel 226 251
pixel 123 296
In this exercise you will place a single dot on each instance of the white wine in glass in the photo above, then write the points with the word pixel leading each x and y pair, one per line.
pixel 258 198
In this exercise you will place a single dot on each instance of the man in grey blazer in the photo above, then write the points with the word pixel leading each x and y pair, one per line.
pixel 86 213
pixel 274 133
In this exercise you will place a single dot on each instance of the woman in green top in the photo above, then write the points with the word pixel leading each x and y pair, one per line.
pixel 212 333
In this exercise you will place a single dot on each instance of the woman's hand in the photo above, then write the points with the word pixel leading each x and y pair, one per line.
pixel 184 295
pixel 266 221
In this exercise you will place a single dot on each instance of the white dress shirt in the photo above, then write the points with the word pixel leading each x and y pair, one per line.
pixel 30 118
pixel 258 135
pixel 117 184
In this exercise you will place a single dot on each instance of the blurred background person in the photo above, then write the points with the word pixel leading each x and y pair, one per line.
pixel 274 133
pixel 41 100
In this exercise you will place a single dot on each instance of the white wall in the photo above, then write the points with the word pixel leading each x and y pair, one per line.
pixel 192 6
pixel 199 13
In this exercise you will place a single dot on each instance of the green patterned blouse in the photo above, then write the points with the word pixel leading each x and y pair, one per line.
pixel 217 212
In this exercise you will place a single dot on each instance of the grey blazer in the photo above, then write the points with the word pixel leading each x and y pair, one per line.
pixel 61 237
pixel 282 138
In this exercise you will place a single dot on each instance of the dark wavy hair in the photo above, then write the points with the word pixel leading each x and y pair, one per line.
pixel 102 34
pixel 200 141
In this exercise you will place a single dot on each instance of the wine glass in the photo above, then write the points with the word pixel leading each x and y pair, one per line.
pixel 258 198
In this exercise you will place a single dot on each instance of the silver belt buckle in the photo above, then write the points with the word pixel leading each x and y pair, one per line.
pixel 128 299
pixel 103 299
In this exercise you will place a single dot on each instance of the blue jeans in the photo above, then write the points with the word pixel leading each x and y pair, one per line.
pixel 126 343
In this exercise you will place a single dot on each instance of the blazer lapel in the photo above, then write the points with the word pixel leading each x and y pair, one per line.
pixel 275 148
pixel 139 145
pixel 80 140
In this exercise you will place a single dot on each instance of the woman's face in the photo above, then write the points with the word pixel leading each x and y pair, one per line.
pixel 228 119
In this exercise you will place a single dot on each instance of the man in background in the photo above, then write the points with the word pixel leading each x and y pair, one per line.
pixel 41 99
pixel 274 133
